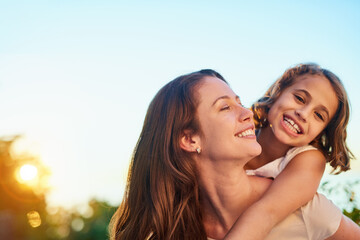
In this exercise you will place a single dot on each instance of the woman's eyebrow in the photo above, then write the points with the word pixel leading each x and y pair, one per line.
pixel 225 97
pixel 220 98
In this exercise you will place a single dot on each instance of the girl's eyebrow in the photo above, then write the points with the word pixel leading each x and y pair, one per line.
pixel 224 97
pixel 322 107
pixel 305 92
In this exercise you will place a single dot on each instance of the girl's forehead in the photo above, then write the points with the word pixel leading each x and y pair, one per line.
pixel 309 81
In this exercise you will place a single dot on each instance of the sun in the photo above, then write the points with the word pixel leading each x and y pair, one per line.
pixel 28 172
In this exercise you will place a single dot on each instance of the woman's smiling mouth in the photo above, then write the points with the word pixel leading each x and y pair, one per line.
pixel 246 133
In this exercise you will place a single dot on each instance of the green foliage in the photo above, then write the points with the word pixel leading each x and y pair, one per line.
pixel 349 197
pixel 95 227
pixel 73 225
pixel 354 215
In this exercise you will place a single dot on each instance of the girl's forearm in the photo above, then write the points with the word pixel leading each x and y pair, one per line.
pixel 255 223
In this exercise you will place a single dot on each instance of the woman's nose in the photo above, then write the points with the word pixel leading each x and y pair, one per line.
pixel 245 114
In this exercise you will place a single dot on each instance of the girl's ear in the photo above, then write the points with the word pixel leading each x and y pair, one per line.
pixel 190 142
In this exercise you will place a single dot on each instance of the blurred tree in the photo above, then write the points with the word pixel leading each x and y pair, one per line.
pixel 344 196
pixel 24 213
pixel 354 215
pixel 94 226
pixel 88 221
pixel 22 191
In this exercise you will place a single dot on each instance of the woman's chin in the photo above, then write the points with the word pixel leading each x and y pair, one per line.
pixel 256 150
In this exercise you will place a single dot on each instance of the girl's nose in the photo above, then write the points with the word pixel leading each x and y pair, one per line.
pixel 302 113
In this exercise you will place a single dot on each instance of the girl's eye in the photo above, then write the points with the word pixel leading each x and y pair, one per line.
pixel 319 116
pixel 300 98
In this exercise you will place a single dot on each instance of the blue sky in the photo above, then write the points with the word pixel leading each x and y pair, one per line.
pixel 76 77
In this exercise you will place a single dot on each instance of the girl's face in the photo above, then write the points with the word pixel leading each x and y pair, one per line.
pixel 303 110
pixel 227 128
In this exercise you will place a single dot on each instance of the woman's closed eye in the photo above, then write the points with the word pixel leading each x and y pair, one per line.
pixel 228 107
pixel 225 107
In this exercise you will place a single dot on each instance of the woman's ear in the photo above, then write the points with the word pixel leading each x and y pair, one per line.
pixel 190 142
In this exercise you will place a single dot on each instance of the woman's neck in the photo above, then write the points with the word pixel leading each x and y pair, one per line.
pixel 272 149
pixel 225 193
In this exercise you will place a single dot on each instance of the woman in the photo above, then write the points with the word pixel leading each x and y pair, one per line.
pixel 187 177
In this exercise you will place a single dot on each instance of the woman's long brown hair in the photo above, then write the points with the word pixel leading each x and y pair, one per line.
pixel 161 199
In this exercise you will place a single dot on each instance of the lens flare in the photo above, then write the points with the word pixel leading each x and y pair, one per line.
pixel 77 224
pixel 28 172
pixel 34 219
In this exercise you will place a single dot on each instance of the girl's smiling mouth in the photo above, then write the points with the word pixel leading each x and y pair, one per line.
pixel 291 125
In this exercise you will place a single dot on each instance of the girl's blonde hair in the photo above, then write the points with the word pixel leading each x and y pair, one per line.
pixel 332 140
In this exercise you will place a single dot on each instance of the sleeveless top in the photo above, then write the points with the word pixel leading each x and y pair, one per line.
pixel 274 168
pixel 318 219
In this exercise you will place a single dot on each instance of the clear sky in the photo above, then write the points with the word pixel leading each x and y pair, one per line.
pixel 76 77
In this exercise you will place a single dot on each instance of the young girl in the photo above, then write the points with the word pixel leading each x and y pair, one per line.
pixel 301 124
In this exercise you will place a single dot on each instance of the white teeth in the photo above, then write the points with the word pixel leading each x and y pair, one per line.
pixel 245 133
pixel 292 125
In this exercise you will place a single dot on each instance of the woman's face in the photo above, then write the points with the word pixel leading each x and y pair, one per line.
pixel 227 127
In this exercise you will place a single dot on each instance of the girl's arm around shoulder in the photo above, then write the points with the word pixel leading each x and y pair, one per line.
pixel 299 181
pixel 347 230
pixel 293 187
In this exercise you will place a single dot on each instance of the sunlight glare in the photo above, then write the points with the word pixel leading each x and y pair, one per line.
pixel 28 172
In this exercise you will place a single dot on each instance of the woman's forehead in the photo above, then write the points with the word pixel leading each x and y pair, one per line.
pixel 212 88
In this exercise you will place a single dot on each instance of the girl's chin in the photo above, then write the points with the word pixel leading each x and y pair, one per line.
pixel 283 137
